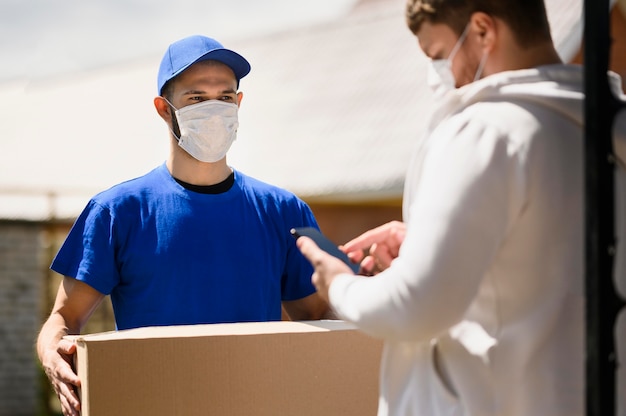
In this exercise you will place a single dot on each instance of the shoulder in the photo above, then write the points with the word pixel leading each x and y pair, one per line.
pixel 136 189
pixel 478 138
pixel 269 196
pixel 496 121
pixel 262 188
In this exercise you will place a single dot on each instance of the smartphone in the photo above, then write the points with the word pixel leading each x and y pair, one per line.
pixel 325 244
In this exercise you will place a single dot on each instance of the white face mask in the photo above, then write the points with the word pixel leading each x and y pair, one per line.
pixel 440 77
pixel 207 129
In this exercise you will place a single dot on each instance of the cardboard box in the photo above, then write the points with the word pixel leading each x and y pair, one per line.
pixel 320 368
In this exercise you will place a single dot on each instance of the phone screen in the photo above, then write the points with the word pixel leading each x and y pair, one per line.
pixel 325 244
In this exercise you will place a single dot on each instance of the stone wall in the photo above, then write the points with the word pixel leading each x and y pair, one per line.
pixel 21 284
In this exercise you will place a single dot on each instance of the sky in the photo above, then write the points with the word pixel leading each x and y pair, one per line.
pixel 43 38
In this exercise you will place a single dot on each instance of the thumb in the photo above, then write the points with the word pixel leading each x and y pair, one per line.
pixel 66 347
pixel 309 249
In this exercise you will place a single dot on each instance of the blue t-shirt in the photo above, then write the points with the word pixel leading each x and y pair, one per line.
pixel 170 256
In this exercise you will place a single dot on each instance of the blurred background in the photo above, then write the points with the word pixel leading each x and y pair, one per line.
pixel 332 108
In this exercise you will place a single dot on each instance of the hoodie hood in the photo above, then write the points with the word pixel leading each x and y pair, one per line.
pixel 557 87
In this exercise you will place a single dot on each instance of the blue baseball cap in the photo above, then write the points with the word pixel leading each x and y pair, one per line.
pixel 183 53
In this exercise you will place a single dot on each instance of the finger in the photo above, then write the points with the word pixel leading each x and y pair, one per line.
pixel 63 369
pixel 383 255
pixel 397 234
pixel 323 262
pixel 317 281
pixel 68 394
pixel 368 265
pixel 67 408
pixel 66 347
pixel 310 250
pixel 354 256
pixel 66 375
pixel 365 240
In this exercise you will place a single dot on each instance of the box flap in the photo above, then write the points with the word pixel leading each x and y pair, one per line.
pixel 241 328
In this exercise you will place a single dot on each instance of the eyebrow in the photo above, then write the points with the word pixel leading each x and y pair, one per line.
pixel 200 92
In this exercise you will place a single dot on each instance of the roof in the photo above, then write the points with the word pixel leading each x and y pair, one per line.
pixel 331 112
pixel 339 102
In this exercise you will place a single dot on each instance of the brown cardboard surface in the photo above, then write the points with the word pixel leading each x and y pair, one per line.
pixel 271 368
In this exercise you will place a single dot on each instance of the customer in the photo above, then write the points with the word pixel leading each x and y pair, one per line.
pixel 480 301
pixel 193 241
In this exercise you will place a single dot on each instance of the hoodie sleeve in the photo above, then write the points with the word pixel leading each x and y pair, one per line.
pixel 472 183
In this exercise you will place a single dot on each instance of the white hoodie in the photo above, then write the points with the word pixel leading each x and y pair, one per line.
pixel 482 313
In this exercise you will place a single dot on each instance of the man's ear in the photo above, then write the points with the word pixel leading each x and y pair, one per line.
pixel 239 98
pixel 485 29
pixel 163 108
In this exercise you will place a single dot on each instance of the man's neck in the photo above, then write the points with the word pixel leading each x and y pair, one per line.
pixel 540 55
pixel 184 167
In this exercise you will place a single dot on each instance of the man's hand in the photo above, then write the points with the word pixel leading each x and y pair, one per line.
pixel 376 248
pixel 58 368
pixel 73 305
pixel 326 267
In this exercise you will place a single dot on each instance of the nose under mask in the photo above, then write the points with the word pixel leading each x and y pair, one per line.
pixel 207 129
pixel 440 77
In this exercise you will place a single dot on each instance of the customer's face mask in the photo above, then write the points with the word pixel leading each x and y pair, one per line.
pixel 207 129
pixel 440 77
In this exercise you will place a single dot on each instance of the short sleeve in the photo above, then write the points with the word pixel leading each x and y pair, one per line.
pixel 88 253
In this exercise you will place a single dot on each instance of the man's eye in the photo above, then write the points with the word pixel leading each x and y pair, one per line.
pixel 226 98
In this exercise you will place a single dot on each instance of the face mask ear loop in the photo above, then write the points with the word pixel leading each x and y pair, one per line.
pixel 458 44
pixel 171 105
pixel 481 66
pixel 174 134
pixel 173 115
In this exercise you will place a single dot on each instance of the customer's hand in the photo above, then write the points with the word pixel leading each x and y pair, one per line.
pixel 326 266
pixel 376 248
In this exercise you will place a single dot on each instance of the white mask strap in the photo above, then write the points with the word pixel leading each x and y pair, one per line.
pixel 481 66
pixel 173 115
pixel 459 43
pixel 168 101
